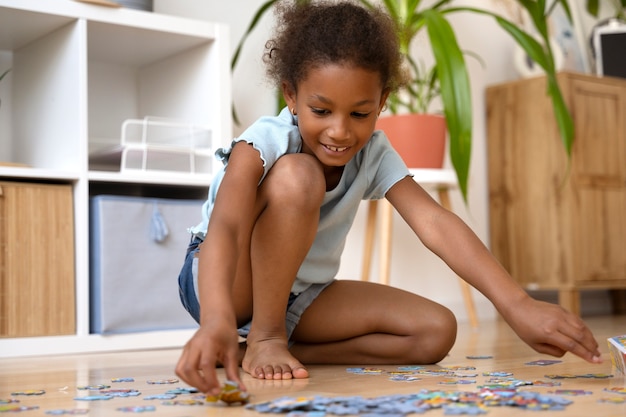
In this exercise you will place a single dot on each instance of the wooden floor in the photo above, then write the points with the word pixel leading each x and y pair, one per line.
pixel 60 376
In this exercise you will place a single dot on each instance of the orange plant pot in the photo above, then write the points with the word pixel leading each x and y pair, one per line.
pixel 420 139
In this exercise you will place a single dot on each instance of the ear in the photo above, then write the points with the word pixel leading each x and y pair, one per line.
pixel 383 100
pixel 289 94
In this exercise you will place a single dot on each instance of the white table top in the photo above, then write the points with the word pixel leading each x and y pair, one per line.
pixel 434 177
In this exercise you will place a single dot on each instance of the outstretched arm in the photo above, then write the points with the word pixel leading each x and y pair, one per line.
pixel 216 341
pixel 547 328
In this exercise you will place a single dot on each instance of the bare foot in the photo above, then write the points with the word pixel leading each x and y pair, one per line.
pixel 270 359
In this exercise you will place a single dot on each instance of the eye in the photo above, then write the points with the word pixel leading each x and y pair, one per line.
pixel 360 115
pixel 319 111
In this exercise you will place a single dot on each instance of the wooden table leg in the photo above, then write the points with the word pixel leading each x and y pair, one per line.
pixel 370 231
pixel 385 242
pixel 569 299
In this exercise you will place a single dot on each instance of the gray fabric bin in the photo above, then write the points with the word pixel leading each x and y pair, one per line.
pixel 136 251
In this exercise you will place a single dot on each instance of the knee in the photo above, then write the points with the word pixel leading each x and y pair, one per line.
pixel 297 181
pixel 437 339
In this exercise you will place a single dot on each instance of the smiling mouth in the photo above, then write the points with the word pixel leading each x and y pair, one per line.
pixel 336 148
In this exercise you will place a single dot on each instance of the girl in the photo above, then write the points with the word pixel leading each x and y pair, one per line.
pixel 262 263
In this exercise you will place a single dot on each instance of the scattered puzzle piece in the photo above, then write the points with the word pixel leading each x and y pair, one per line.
pixel 617 390
pixel 96 387
pixel 13 408
pixel 543 362
pixel 231 394
pixel 136 409
pixel 127 379
pixel 497 373
pixel 29 392
pixel 572 392
pixel 70 412
pixel 120 392
pixel 183 402
pixel 160 397
pixel 163 381
pixel 612 400
pixel 94 398
pixel 182 390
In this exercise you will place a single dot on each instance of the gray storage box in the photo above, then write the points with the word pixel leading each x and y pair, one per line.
pixel 137 249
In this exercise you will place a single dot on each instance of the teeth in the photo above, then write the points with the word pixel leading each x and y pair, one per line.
pixel 336 149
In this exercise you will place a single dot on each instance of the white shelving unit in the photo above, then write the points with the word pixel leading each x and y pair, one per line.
pixel 77 72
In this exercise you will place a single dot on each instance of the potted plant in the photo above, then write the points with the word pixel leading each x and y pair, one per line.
pixel 418 133
pixel 411 16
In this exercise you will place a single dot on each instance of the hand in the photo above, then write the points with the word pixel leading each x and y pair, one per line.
pixel 213 343
pixel 549 328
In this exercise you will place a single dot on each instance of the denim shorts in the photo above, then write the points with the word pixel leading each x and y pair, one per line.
pixel 188 290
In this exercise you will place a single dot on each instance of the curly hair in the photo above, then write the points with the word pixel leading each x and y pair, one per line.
pixel 310 34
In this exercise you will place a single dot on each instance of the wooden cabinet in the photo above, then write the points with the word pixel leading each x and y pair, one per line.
pixel 555 225
pixel 36 260
pixel 78 72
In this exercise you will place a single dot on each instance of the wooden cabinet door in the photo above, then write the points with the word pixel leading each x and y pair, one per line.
pixel 556 225
pixel 37 286
pixel 599 177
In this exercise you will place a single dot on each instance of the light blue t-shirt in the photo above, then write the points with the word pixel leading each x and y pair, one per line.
pixel 369 175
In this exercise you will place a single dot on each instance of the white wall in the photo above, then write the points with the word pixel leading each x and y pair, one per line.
pixel 413 267
pixel 6 61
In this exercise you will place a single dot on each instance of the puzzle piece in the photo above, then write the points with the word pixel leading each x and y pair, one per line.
pixel 572 392
pixel 183 402
pixel 163 381
pixel 543 362
pixel 230 394
pixel 70 412
pixel 96 387
pixel 617 390
pixel 126 379
pixel 182 390
pixel 160 397
pixel 120 392
pixel 497 373
pixel 94 398
pixel 612 400
pixel 136 409
pixel 29 392
pixel 464 409
pixel 13 408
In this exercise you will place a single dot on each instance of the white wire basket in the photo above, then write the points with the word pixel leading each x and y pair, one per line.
pixel 155 144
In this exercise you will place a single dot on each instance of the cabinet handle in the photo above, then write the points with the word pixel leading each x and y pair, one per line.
pixel 1 191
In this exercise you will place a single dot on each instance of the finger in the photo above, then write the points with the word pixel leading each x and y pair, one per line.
pixel 582 341
pixel 567 344
pixel 588 341
pixel 209 374
pixel 187 370
pixel 231 367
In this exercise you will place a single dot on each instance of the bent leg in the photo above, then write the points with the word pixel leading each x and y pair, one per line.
pixel 366 323
pixel 289 202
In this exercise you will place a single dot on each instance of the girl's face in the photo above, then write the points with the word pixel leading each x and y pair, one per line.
pixel 337 108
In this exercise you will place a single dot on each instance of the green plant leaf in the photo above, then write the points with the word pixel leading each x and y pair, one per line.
pixel 542 55
pixel 593 7
pixel 253 23
pixel 455 93
pixel 561 113
pixel 4 73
